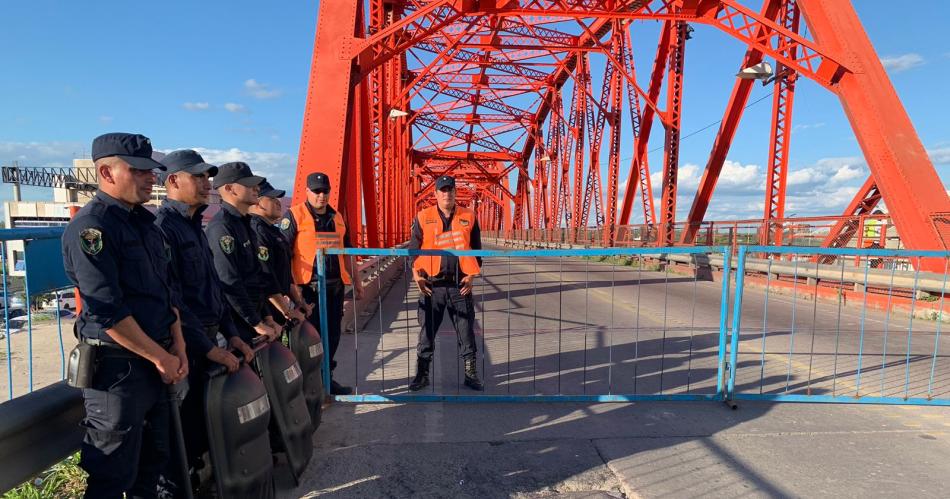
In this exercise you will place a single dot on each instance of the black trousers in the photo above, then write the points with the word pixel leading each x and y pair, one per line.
pixel 461 311
pixel 335 294
pixel 127 442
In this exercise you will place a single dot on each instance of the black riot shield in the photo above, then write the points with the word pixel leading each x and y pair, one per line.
pixel 237 412
pixel 306 345
pixel 282 378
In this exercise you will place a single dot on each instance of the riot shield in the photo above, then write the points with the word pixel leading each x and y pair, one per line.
pixel 237 412
pixel 306 345
pixel 282 378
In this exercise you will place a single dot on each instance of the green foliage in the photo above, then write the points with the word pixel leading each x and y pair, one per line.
pixel 64 480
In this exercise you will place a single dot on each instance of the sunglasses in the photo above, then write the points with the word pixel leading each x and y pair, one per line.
pixel 320 191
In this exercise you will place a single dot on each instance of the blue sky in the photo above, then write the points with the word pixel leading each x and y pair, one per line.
pixel 231 78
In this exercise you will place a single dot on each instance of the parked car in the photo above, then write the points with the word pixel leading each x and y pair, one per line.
pixel 67 300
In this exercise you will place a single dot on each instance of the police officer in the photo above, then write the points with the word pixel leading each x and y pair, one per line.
pixel 116 257
pixel 274 245
pixel 204 313
pixel 309 226
pixel 446 281
pixel 248 285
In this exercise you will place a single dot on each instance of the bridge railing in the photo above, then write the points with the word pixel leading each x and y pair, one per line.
pixel 865 231
pixel 39 424
pixel 548 325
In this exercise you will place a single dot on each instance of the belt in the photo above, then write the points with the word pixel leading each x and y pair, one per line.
pixel 165 343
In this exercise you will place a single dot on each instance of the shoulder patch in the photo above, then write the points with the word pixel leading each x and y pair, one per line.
pixel 227 244
pixel 263 254
pixel 90 240
pixel 463 221
pixel 285 224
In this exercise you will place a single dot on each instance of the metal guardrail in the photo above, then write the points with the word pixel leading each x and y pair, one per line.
pixel 37 430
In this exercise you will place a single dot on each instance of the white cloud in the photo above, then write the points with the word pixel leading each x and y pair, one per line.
pixel 808 126
pixel 260 90
pixel 235 108
pixel 51 154
pixel 939 155
pixel 903 62
pixel 196 106
pixel 846 173
pixel 278 167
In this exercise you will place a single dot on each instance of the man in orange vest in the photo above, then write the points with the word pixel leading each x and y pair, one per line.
pixel 314 225
pixel 446 281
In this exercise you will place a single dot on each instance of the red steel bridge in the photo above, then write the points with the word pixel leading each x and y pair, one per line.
pixel 528 102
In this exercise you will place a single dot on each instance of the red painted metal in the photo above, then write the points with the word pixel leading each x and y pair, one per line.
pixel 783 99
pixel 500 94
pixel 671 154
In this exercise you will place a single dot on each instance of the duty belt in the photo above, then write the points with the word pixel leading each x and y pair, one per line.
pixel 116 350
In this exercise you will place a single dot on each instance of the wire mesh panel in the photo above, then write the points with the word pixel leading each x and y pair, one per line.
pixel 604 324
pixel 36 312
pixel 820 332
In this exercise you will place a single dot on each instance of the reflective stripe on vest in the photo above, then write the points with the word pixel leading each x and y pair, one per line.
pixel 308 241
pixel 458 238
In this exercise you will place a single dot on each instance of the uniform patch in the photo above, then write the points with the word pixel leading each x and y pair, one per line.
pixel 285 224
pixel 91 241
pixel 263 254
pixel 227 244
pixel 463 221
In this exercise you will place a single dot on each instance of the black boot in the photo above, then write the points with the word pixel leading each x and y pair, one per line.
pixel 471 375
pixel 338 389
pixel 422 375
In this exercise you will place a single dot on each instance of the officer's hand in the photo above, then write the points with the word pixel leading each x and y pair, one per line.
pixel 239 345
pixel 225 358
pixel 306 309
pixel 295 315
pixel 168 367
pixel 178 350
pixel 358 291
pixel 275 326
pixel 423 283
pixel 467 283
pixel 262 328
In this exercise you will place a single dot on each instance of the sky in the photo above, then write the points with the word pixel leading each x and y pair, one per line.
pixel 230 79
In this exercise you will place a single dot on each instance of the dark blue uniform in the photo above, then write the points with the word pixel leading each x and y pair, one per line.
pixel 204 313
pixel 118 260
pixel 238 262
pixel 277 249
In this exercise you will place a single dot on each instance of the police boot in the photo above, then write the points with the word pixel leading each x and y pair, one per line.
pixel 338 389
pixel 422 375
pixel 471 375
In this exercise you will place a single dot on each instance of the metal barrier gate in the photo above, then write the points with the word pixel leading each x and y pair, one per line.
pixel 551 325
pixel 856 326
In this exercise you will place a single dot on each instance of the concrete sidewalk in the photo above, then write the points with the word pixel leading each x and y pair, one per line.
pixel 628 450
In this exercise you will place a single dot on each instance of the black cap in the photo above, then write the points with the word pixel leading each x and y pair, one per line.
pixel 187 160
pixel 268 191
pixel 444 181
pixel 318 181
pixel 236 173
pixel 134 149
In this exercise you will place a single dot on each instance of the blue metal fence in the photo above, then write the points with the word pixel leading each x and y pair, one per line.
pixel 843 339
pixel 693 357
pixel 41 264
pixel 803 326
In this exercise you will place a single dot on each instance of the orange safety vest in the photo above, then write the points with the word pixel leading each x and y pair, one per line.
pixel 308 241
pixel 459 238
